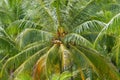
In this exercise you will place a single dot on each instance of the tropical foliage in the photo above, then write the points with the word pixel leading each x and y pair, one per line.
pixel 59 40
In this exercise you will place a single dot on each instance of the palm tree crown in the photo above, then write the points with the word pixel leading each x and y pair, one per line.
pixel 58 39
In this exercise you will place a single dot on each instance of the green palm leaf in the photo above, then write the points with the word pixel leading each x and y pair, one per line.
pixel 43 65
pixel 104 69
pixel 29 62
pixel 19 58
pixel 77 39
pixel 37 35
pixel 89 27
pixel 116 52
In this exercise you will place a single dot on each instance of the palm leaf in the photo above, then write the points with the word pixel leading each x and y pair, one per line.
pixel 43 15
pixel 37 35
pixel 42 65
pixel 29 62
pixel 15 61
pixel 67 75
pixel 7 44
pixel 112 27
pixel 66 59
pixel 77 39
pixel 95 61
pixel 88 10
pixel 113 24
pixel 89 27
pixel 116 52
pixel 19 25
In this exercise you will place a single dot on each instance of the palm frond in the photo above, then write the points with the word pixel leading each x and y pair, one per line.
pixel 89 26
pixel 87 59
pixel 113 24
pixel 113 7
pixel 97 62
pixel 3 59
pixel 6 42
pixel 79 63
pixel 15 61
pixel 19 25
pixel 5 16
pixel 100 35
pixel 67 75
pixel 66 59
pixel 112 27
pixel 42 15
pixel 77 39
pixel 116 52
pixel 55 5
pixel 33 35
pixel 88 10
pixel 2 32
pixel 42 65
pixel 51 15
pixel 29 62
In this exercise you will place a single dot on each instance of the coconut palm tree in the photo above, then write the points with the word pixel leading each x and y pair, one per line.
pixel 55 40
